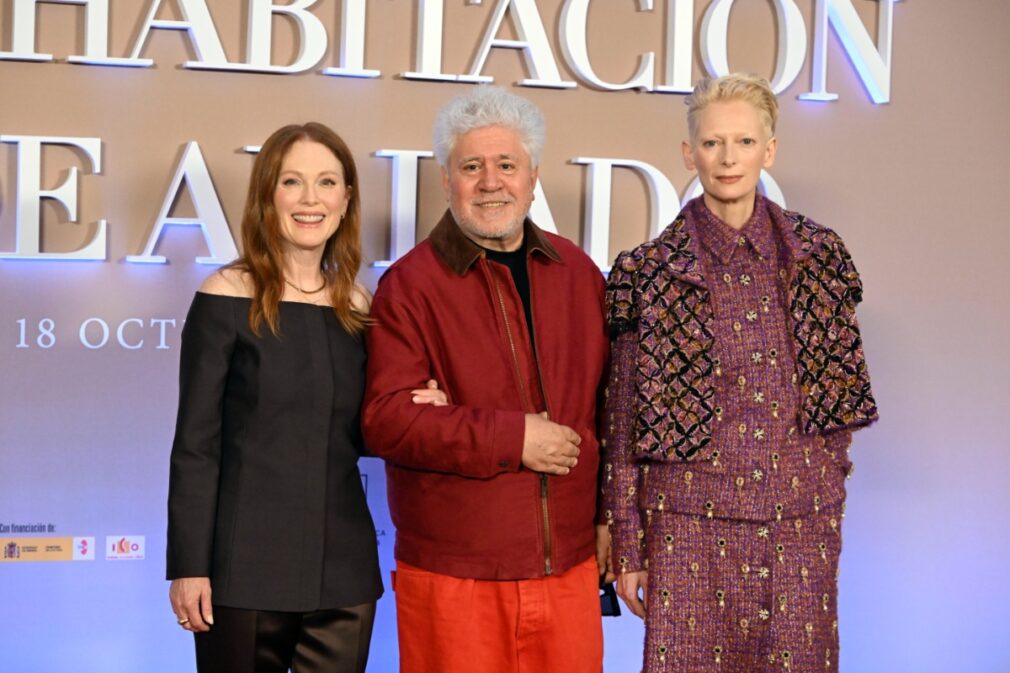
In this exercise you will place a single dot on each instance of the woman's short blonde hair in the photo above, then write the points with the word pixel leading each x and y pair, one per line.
pixel 735 86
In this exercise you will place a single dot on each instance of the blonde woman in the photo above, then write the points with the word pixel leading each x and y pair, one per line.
pixel 738 376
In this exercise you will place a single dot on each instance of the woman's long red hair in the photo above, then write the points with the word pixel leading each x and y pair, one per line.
pixel 263 245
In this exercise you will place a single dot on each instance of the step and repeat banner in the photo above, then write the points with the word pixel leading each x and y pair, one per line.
pixel 127 133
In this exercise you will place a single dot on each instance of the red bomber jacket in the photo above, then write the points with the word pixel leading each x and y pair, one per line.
pixel 462 502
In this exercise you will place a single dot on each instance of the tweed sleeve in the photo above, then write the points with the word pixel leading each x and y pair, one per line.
pixel 834 376
pixel 622 475
pixel 861 407
pixel 622 309
pixel 846 269
pixel 838 443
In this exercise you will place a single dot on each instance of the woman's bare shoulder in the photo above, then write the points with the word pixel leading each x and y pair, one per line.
pixel 361 299
pixel 229 282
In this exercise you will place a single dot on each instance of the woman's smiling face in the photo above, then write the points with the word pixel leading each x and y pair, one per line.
pixel 311 195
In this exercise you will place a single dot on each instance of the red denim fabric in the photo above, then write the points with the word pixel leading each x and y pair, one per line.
pixel 452 625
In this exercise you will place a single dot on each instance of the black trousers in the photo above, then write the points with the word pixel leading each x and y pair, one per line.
pixel 262 641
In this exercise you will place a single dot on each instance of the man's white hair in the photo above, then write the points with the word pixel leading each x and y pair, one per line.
pixel 488 106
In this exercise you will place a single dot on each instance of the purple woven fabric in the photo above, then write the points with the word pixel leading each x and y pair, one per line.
pixel 741 548
pixel 723 597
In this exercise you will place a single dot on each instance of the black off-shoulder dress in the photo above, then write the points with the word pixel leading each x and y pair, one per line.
pixel 265 496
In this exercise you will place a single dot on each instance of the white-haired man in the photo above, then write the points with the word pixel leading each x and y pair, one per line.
pixel 494 495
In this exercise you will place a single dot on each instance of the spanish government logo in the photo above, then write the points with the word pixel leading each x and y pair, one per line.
pixel 30 549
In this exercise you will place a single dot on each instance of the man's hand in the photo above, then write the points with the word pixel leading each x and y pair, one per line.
pixel 628 587
pixel 549 447
pixel 190 598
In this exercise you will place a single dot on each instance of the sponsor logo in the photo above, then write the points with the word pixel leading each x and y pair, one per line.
pixel 84 549
pixel 28 549
pixel 124 548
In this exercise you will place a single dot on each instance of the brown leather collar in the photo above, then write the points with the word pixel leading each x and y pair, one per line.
pixel 459 252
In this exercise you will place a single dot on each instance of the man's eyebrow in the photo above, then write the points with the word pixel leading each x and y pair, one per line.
pixel 503 155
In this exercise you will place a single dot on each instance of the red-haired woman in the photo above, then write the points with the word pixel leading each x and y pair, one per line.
pixel 271 548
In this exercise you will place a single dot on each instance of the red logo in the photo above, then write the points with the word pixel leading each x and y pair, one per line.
pixel 124 546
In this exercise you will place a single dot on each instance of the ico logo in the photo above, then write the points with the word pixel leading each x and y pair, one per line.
pixel 124 547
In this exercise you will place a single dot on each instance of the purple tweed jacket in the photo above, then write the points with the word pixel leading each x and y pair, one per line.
pixel 658 290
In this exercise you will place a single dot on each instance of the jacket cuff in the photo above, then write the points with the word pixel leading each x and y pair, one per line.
pixel 626 547
pixel 507 447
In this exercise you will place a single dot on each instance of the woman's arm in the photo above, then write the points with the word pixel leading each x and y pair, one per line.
pixel 208 339
pixel 622 475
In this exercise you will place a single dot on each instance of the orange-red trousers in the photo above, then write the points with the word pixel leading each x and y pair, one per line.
pixel 453 625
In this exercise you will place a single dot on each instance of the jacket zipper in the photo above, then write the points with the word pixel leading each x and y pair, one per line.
pixel 548 570
pixel 547 525
pixel 508 332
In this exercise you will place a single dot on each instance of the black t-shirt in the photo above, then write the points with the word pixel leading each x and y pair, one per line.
pixel 516 263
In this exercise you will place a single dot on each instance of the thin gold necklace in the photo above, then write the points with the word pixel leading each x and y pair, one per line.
pixel 307 292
